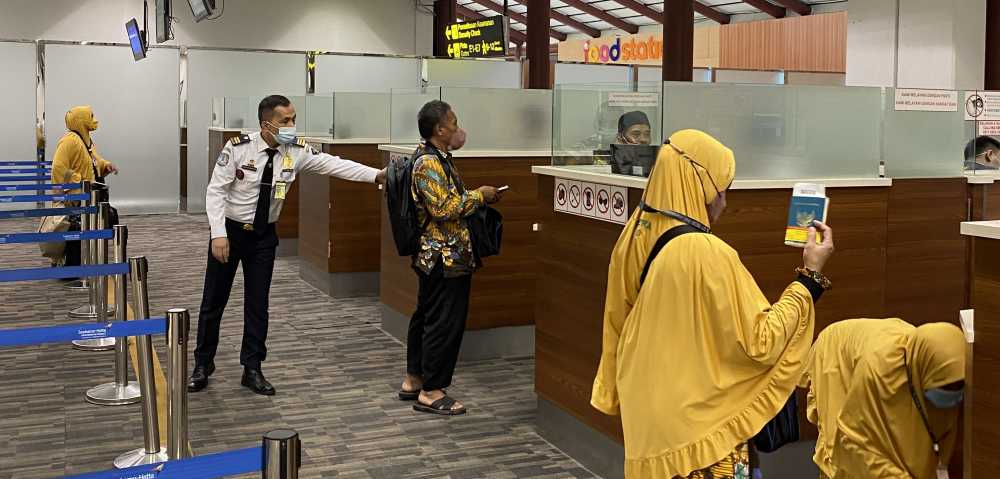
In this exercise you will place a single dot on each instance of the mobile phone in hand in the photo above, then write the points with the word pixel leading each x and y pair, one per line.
pixel 503 188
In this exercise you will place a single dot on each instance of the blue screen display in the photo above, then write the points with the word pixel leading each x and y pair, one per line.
pixel 135 40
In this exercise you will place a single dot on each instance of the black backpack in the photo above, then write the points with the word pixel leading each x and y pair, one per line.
pixel 406 226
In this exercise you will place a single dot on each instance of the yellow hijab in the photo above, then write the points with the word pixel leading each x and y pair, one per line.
pixel 880 432
pixel 696 363
pixel 72 162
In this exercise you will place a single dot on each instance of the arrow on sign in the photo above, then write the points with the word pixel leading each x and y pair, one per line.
pixel 447 33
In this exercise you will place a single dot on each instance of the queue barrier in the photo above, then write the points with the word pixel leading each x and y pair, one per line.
pixel 24 178
pixel 63 272
pixel 27 171
pixel 41 198
pixel 14 238
pixel 42 187
pixel 73 332
pixel 40 212
pixel 25 163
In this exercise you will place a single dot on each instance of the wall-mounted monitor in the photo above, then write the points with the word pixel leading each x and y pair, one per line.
pixel 201 9
pixel 135 40
pixel 163 12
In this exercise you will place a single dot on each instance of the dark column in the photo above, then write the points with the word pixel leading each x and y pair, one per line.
pixel 992 45
pixel 539 74
pixel 678 40
pixel 444 15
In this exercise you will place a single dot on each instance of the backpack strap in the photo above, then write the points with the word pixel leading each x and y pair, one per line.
pixel 661 242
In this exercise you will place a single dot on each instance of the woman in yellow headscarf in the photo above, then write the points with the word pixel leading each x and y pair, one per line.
pixel 885 397
pixel 697 361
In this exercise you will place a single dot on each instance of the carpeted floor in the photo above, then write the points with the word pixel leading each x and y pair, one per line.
pixel 335 371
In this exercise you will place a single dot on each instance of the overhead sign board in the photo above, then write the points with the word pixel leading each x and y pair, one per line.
pixel 478 39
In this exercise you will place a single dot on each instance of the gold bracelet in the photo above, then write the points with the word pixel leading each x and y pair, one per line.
pixel 816 276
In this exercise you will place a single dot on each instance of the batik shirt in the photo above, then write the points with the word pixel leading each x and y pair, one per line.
pixel 445 200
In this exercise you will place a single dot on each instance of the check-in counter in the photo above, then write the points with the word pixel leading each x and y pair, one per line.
pixel 502 307
pixel 288 223
pixel 982 410
pixel 899 254
pixel 339 224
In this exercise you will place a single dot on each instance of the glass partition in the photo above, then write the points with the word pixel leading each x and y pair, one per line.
pixel 924 144
pixel 237 113
pixel 315 116
pixel 362 116
pixel 784 132
pixel 404 104
pixel 981 152
pixel 588 119
pixel 503 119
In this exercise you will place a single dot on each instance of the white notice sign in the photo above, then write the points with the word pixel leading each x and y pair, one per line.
pixel 560 197
pixel 908 99
pixel 632 99
pixel 575 197
pixel 988 128
pixel 395 157
pixel 602 202
pixel 982 105
pixel 589 201
pixel 619 204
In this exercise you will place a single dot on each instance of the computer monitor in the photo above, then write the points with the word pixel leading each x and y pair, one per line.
pixel 135 40
pixel 634 160
pixel 201 9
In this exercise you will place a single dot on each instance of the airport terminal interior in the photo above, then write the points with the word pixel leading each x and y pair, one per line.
pixel 500 239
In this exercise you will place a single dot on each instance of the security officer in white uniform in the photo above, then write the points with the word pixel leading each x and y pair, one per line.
pixel 251 178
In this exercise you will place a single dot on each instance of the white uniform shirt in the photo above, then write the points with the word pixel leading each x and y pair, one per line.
pixel 233 190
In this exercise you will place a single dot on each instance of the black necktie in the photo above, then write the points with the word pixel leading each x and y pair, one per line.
pixel 263 212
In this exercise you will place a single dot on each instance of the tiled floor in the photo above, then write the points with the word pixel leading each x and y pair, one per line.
pixel 336 373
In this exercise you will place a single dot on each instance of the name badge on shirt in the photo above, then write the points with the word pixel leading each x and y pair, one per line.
pixel 287 162
pixel 280 189
pixel 249 166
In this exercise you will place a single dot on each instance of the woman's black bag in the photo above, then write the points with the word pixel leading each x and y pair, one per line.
pixel 781 430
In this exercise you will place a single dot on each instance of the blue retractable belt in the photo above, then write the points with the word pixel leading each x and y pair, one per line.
pixel 26 171
pixel 42 187
pixel 23 178
pixel 35 274
pixel 25 163
pixel 40 212
pixel 209 466
pixel 64 333
pixel 13 238
pixel 38 198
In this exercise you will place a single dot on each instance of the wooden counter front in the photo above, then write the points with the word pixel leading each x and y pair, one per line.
pixel 339 227
pixel 899 253
pixel 503 291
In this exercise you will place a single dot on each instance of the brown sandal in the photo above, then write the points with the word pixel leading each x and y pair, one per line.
pixel 441 407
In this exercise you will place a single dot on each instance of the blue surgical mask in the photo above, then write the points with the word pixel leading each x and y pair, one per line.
pixel 286 135
pixel 944 398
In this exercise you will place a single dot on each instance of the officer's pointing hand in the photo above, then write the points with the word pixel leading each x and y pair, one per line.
pixel 380 177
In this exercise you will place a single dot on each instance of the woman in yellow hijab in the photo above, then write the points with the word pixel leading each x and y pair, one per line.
pixel 697 361
pixel 885 397
pixel 76 158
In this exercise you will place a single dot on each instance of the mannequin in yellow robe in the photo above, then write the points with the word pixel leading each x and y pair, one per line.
pixel 870 422
pixel 697 361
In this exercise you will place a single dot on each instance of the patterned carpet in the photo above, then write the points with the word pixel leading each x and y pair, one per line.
pixel 335 371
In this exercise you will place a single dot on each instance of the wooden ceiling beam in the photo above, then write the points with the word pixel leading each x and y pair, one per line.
pixel 601 14
pixel 642 9
pixel 796 6
pixel 710 12
pixel 517 17
pixel 767 7
pixel 574 24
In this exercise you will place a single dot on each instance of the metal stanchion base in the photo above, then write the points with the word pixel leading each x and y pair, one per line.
pixel 88 311
pixel 139 457
pixel 105 344
pixel 113 394
pixel 77 285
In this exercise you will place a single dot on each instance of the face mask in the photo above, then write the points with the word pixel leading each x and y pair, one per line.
pixel 457 140
pixel 285 134
pixel 944 398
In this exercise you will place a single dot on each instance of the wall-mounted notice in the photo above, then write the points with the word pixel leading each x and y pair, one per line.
pixel 982 105
pixel 590 200
pixel 988 128
pixel 632 99
pixel 908 99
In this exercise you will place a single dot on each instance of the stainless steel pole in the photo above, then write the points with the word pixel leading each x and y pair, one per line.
pixel 89 250
pixel 151 453
pixel 82 284
pixel 178 328
pixel 99 285
pixel 119 392
pixel 282 455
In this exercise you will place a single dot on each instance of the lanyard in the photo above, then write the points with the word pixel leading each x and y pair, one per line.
pixel 698 225
pixel 920 408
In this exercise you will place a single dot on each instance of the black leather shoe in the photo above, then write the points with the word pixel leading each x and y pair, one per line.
pixel 254 379
pixel 199 378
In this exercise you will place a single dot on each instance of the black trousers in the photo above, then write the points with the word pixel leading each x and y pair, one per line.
pixel 256 251
pixel 437 326
pixel 72 253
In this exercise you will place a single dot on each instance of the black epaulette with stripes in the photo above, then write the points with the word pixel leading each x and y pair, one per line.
pixel 240 140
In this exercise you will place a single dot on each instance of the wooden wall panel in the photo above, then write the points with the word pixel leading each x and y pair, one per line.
pixel 314 216
pixel 985 401
pixel 354 214
pixel 503 292
pixel 813 43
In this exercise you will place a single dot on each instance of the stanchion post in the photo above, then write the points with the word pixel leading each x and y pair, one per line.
pixel 119 392
pixel 98 285
pixel 89 250
pixel 151 452
pixel 83 283
pixel 178 329
pixel 282 451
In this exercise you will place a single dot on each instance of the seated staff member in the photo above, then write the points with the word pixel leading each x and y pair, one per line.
pixel 733 357
pixel 634 129
pixel 76 159
pixel 982 153
pixel 244 199
pixel 885 395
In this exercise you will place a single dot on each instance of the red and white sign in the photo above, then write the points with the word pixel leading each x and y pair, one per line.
pixel 602 202
pixel 909 99
pixel 988 128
